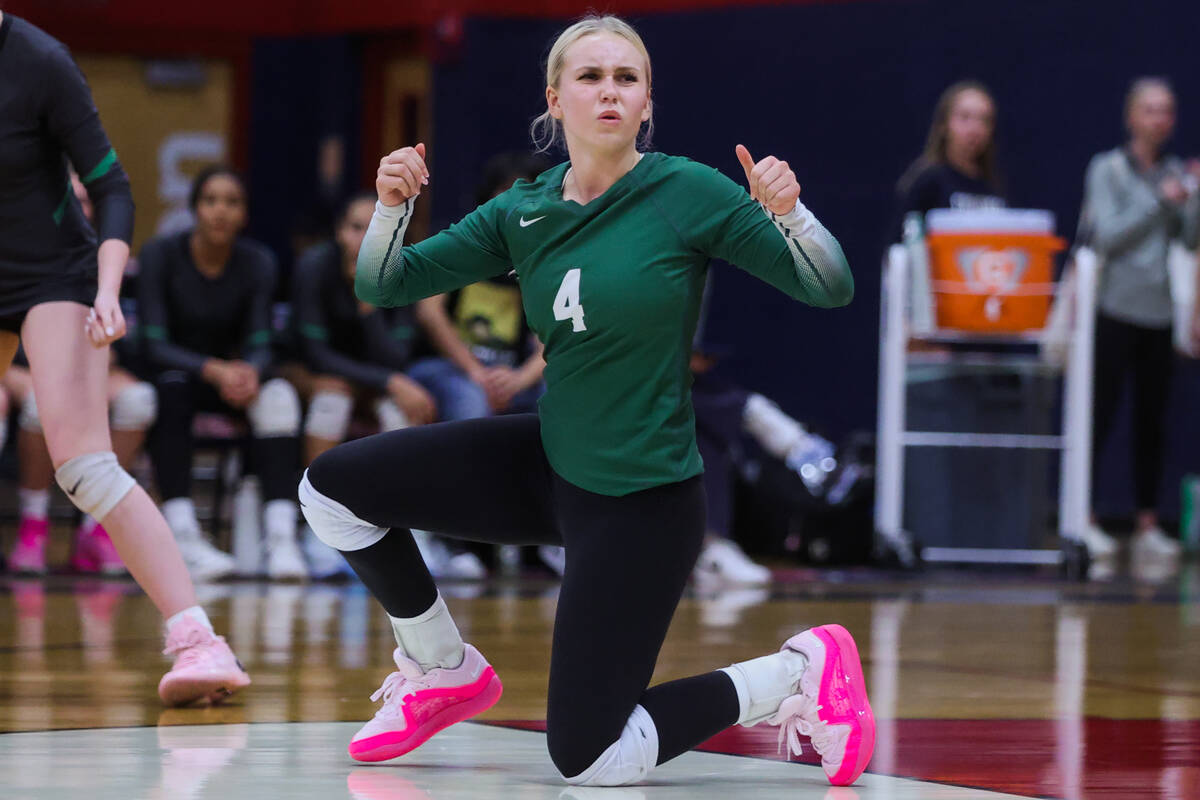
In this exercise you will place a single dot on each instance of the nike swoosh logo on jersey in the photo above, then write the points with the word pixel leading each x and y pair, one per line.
pixel 525 223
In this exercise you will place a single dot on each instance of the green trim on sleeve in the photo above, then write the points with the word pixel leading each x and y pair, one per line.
pixel 257 338
pixel 61 211
pixel 155 332
pixel 312 331
pixel 103 168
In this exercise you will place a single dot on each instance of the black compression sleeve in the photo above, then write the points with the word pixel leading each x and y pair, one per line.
pixel 313 325
pixel 257 348
pixel 154 314
pixel 72 119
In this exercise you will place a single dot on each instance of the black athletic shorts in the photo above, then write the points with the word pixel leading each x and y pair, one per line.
pixel 20 296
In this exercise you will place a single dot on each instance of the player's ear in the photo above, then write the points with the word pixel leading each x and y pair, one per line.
pixel 552 104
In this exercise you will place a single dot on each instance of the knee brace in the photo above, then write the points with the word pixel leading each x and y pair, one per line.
pixel 134 408
pixel 28 419
pixel 95 483
pixel 333 523
pixel 276 410
pixel 328 416
pixel 391 417
pixel 627 760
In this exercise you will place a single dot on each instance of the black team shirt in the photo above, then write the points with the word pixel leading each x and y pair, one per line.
pixel 336 338
pixel 187 318
pixel 47 117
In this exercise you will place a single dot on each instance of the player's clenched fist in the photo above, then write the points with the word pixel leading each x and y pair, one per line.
pixel 401 175
pixel 772 182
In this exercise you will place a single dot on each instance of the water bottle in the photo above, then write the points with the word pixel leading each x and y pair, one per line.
pixel 247 528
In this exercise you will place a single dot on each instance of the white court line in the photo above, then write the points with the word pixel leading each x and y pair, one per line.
pixel 298 761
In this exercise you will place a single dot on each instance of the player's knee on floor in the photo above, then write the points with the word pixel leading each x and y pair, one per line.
pixel 333 523
pixel 625 761
pixel 28 419
pixel 276 410
pixel 95 483
pixel 328 416
pixel 134 408
pixel 391 417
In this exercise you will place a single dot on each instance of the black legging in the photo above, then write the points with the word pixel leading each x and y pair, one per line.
pixel 628 559
pixel 1123 349
pixel 274 459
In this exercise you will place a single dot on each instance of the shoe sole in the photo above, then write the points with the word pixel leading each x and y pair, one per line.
pixel 385 746
pixel 860 745
pixel 211 691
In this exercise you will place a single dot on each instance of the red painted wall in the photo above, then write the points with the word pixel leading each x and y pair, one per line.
pixel 294 17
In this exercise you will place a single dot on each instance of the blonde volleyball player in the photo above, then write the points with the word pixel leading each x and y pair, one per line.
pixel 611 249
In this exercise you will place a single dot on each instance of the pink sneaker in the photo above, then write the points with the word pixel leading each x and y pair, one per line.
pixel 29 554
pixel 204 669
pixel 417 704
pixel 94 551
pixel 831 707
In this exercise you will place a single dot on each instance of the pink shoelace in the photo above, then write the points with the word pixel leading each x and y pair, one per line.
pixel 797 715
pixel 399 685
pixel 187 647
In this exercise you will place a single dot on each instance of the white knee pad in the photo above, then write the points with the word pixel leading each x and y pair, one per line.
pixel 28 419
pixel 628 759
pixel 328 416
pixel 333 523
pixel 95 483
pixel 276 410
pixel 134 408
pixel 391 417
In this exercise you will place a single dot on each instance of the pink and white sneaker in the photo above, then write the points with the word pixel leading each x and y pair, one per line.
pixel 94 551
pixel 831 707
pixel 204 669
pixel 29 554
pixel 417 704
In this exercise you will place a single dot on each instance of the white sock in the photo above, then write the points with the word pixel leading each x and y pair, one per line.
pixel 180 513
pixel 195 612
pixel 35 503
pixel 763 683
pixel 774 430
pixel 431 639
pixel 279 519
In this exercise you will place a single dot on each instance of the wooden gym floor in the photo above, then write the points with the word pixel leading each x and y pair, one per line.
pixel 984 685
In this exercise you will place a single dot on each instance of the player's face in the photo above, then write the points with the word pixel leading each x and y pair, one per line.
pixel 971 124
pixel 221 210
pixel 352 229
pixel 1152 116
pixel 603 95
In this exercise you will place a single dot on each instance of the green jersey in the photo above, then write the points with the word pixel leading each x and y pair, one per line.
pixel 613 290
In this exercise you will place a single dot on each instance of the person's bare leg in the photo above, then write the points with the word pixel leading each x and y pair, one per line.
pixel 70 383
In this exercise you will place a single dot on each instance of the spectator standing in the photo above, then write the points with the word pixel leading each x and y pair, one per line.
pixel 1137 198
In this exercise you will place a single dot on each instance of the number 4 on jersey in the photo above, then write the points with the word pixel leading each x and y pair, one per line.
pixel 566 303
